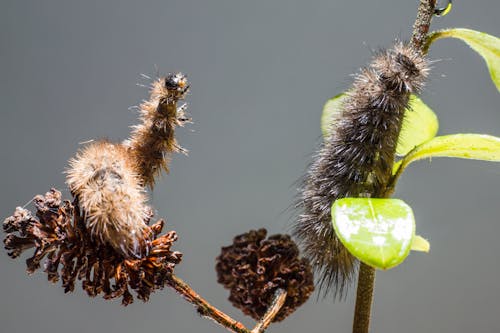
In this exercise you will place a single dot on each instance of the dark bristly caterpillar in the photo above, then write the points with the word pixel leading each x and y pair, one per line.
pixel 108 180
pixel 356 158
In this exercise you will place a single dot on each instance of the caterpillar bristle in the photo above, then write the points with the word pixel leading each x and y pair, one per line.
pixel 108 180
pixel 104 181
pixel 356 158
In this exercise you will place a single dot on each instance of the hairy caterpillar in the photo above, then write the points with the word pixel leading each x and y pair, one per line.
pixel 109 179
pixel 356 159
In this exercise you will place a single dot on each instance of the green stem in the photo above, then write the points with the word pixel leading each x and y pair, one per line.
pixel 364 299
pixel 432 37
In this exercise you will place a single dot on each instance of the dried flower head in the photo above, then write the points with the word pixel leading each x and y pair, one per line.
pixel 59 233
pixel 253 268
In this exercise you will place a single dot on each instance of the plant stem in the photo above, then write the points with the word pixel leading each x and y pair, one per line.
pixel 364 299
pixel 366 277
pixel 274 308
pixel 204 308
pixel 422 23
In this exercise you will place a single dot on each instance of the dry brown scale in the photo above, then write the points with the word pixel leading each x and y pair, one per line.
pixel 58 233
pixel 254 267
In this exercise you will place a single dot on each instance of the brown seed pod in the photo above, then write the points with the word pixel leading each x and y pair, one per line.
pixel 58 233
pixel 254 267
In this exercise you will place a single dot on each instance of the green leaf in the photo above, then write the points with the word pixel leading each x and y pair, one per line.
pixel 379 232
pixel 470 146
pixel 420 244
pixel 487 46
pixel 331 110
pixel 419 125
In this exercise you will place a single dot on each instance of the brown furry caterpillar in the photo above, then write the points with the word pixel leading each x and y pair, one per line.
pixel 356 159
pixel 108 179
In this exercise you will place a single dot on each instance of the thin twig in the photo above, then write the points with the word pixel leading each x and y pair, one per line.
pixel 422 23
pixel 272 311
pixel 204 308
pixel 366 278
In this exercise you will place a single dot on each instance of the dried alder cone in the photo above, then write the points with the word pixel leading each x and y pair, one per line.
pixel 254 267
pixel 356 159
pixel 59 233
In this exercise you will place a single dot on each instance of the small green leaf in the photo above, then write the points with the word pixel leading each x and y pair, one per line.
pixel 487 46
pixel 469 146
pixel 379 232
pixel 419 125
pixel 420 244
pixel 331 110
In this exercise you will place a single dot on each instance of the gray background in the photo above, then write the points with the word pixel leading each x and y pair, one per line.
pixel 260 73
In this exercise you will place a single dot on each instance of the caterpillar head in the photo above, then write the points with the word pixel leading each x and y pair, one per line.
pixel 410 67
pixel 176 85
pixel 401 69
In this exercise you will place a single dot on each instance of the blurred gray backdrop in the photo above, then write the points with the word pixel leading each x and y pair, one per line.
pixel 260 72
